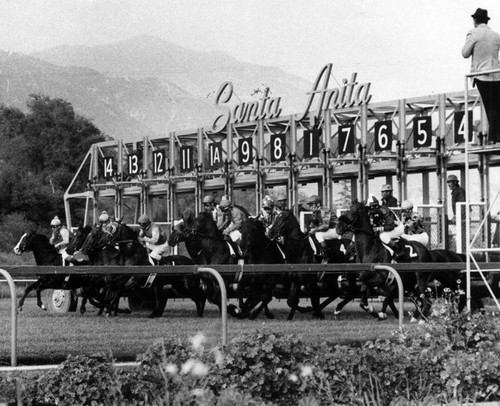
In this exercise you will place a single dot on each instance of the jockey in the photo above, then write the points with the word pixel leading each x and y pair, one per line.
pixel 108 225
pixel 60 237
pixel 152 237
pixel 222 219
pixel 385 222
pixel 281 203
pixel 267 214
pixel 413 224
pixel 233 220
pixel 323 223
pixel 209 206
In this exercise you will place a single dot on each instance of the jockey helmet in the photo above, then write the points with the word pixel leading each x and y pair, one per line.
pixel 452 178
pixel 406 205
pixel 55 222
pixel 387 188
pixel 372 201
pixel 144 220
pixel 416 217
pixel 267 202
pixel 224 203
pixel 103 217
pixel 314 199
pixel 208 199
pixel 281 197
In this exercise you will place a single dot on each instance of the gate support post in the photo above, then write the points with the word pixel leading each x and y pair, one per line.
pixel 223 297
pixel 13 305
pixel 400 290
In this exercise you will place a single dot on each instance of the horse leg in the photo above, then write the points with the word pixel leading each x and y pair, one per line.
pixel 160 301
pixel 28 290
pixel 293 300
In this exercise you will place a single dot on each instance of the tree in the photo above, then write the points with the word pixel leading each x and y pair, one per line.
pixel 41 152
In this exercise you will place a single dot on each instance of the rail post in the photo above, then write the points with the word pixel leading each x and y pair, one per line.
pixel 400 290
pixel 13 304
pixel 223 298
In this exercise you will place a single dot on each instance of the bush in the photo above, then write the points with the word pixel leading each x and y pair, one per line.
pixel 456 358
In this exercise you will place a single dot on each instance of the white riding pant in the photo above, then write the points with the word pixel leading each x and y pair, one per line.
pixel 235 235
pixel 330 234
pixel 422 238
pixel 157 251
pixel 387 236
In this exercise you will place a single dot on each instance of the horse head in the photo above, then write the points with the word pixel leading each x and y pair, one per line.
pixel 95 239
pixel 356 218
pixel 278 226
pixel 253 234
pixel 79 237
pixel 123 233
pixel 25 243
pixel 204 225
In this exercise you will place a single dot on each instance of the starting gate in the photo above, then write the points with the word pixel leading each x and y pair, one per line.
pixel 344 149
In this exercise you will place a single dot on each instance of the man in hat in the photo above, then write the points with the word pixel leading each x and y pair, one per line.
pixel 234 218
pixel 388 200
pixel 457 195
pixel 483 45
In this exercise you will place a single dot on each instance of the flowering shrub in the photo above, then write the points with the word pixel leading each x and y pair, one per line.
pixel 449 358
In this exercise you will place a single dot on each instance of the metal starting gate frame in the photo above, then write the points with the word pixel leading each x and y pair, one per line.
pixel 330 149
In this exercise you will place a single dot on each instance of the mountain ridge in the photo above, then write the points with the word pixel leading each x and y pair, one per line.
pixel 143 86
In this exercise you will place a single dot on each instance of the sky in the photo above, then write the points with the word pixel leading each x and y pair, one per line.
pixel 404 48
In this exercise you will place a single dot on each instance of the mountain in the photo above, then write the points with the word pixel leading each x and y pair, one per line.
pixel 123 108
pixel 147 86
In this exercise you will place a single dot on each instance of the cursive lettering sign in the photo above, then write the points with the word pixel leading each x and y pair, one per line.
pixel 351 93
pixel 265 107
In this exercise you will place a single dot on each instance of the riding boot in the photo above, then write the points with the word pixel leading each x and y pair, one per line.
pixel 326 250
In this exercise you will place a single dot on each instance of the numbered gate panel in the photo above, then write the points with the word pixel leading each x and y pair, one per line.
pixel 309 143
pixel 185 153
pixel 106 164
pixel 455 121
pixel 215 152
pixel 276 144
pixel 245 146
pixel 345 133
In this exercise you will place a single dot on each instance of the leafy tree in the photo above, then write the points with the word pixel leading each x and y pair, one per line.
pixel 41 152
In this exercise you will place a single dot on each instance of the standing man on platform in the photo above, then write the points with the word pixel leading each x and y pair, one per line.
pixel 483 44
pixel 388 200
pixel 457 195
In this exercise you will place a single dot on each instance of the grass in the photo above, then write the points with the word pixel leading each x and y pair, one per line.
pixel 49 338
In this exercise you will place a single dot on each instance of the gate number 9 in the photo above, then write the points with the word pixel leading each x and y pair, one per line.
pixel 245 151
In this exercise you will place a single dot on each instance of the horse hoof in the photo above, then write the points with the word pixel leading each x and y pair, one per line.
pixel 336 312
pixel 43 307
pixel 382 316
pixel 413 320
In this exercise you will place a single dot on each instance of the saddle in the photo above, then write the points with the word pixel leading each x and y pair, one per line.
pixel 404 251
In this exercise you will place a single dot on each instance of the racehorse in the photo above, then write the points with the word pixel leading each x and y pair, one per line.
pixel 206 246
pixel 45 254
pixel 185 286
pixel 371 250
pixel 258 287
pixel 298 249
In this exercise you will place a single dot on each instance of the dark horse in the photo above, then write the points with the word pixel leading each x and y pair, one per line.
pixel 370 250
pixel 45 254
pixel 257 287
pixel 298 250
pixel 185 286
pixel 206 246
pixel 122 248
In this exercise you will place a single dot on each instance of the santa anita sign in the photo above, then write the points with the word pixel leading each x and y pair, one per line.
pixel 350 94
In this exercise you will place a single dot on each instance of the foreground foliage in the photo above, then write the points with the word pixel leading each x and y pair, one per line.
pixel 448 359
